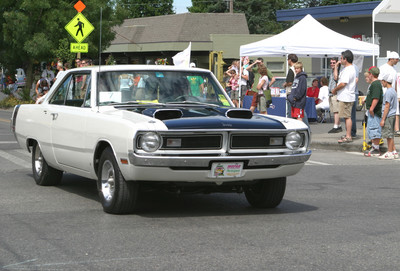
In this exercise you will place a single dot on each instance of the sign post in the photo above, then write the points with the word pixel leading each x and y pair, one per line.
pixel 79 28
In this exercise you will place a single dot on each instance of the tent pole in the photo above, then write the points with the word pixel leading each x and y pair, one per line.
pixel 373 37
pixel 286 102
pixel 240 79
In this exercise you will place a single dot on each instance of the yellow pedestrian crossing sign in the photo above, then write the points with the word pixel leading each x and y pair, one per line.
pixel 79 27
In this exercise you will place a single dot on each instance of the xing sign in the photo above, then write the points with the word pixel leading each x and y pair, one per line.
pixel 79 47
pixel 79 27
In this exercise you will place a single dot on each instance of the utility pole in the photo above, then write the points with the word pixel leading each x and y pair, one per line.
pixel 231 6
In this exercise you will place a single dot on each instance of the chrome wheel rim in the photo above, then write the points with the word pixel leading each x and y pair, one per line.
pixel 108 181
pixel 38 161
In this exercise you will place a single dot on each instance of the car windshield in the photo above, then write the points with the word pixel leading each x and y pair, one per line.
pixel 159 87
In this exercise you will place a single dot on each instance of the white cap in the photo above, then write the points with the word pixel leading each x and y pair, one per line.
pixel 387 77
pixel 192 65
pixel 393 54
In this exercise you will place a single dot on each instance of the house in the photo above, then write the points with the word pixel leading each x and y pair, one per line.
pixel 142 40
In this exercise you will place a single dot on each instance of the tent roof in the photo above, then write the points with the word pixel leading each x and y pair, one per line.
pixel 308 37
pixel 387 11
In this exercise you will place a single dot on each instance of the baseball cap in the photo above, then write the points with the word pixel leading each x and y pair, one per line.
pixel 388 78
pixel 393 54
pixel 374 70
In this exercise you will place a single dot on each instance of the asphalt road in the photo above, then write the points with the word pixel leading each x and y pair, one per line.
pixel 339 213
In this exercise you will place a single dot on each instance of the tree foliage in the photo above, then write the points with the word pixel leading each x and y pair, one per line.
pixel 33 30
pixel 261 14
pixel 144 8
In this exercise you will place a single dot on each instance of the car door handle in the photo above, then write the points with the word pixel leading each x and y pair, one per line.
pixel 55 115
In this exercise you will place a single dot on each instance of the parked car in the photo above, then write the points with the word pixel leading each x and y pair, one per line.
pixel 134 128
pixel 20 78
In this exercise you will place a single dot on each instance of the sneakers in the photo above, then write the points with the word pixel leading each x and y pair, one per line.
pixel 335 130
pixel 395 155
pixel 372 152
pixel 387 156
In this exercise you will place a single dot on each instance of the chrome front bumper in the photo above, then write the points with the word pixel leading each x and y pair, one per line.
pixel 204 161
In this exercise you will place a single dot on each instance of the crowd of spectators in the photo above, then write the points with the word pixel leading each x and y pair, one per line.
pixel 337 94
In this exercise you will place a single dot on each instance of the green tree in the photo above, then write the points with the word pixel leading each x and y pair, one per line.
pixel 260 14
pixel 144 8
pixel 32 30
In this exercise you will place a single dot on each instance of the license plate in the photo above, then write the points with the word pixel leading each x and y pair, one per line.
pixel 226 170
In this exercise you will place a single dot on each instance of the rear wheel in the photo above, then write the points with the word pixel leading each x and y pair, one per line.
pixel 44 174
pixel 117 196
pixel 266 193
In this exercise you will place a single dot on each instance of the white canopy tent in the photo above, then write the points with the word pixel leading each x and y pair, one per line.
pixel 308 37
pixel 388 11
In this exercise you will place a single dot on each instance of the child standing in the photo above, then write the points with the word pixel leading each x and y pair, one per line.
pixel 297 97
pixel 389 117
pixel 234 83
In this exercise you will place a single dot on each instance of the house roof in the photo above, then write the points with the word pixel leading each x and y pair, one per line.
pixel 361 9
pixel 184 27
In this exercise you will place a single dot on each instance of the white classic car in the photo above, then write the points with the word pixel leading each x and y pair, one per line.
pixel 131 127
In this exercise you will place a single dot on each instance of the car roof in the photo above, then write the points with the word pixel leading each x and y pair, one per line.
pixel 139 68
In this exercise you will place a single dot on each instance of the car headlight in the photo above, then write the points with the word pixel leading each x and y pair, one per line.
pixel 150 142
pixel 293 140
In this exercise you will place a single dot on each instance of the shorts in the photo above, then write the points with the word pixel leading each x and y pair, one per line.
pixel 374 127
pixel 243 90
pixel 235 94
pixel 262 104
pixel 388 128
pixel 297 112
pixel 345 109
pixel 333 104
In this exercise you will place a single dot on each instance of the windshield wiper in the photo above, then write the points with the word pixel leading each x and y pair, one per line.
pixel 189 103
pixel 135 103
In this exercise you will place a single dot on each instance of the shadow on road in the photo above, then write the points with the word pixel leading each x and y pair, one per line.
pixel 163 204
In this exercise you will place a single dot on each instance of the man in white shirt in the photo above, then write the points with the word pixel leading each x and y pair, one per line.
pixel 388 68
pixel 48 74
pixel 346 92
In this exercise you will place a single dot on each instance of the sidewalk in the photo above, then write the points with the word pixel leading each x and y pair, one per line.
pixel 320 139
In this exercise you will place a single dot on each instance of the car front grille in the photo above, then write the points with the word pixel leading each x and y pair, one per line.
pixel 193 142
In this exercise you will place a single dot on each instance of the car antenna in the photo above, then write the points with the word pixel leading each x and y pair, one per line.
pixel 98 77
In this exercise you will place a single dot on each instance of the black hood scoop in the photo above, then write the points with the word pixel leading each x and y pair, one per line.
pixel 163 114
pixel 239 114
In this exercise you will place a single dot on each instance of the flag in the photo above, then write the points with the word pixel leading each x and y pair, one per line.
pixel 182 59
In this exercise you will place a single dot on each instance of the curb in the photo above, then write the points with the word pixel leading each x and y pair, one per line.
pixel 355 146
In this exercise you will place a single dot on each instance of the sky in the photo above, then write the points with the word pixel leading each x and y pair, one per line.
pixel 180 5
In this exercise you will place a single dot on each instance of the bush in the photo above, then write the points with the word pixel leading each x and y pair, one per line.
pixel 11 101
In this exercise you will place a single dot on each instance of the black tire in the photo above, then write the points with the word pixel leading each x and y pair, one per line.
pixel 117 196
pixel 44 174
pixel 266 193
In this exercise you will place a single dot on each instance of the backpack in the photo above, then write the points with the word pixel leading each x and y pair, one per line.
pixel 250 82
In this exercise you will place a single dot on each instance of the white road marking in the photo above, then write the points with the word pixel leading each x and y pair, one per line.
pixel 15 159
pixel 356 153
pixel 317 163
pixel 23 152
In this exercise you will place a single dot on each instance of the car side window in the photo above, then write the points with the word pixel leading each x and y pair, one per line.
pixel 60 94
pixel 74 91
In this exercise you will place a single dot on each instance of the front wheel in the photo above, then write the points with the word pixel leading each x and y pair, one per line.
pixel 44 174
pixel 117 196
pixel 266 193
